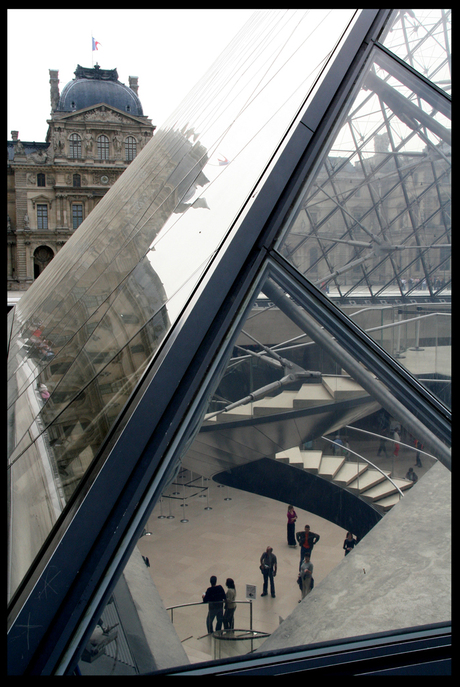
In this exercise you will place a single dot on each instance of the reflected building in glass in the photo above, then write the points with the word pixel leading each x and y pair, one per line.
pixel 261 301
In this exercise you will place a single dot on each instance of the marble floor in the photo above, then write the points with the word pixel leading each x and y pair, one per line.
pixel 200 529
pixel 223 531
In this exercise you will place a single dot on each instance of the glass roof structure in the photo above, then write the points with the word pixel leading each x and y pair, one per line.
pixel 272 270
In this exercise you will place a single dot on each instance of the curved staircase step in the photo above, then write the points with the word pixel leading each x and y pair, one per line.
pixel 310 395
pixel 311 460
pixel 343 388
pixel 387 502
pixel 368 479
pixel 384 489
pixel 291 456
pixel 366 482
pixel 330 465
pixel 274 404
pixel 349 472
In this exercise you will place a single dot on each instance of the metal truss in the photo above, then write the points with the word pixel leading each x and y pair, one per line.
pixel 380 221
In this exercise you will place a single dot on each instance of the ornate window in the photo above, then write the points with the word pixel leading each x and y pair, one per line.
pixel 103 147
pixel 41 179
pixel 130 148
pixel 76 180
pixel 75 146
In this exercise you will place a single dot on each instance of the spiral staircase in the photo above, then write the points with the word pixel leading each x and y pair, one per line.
pixel 358 477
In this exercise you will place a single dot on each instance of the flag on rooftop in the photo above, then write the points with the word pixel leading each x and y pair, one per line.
pixel 95 44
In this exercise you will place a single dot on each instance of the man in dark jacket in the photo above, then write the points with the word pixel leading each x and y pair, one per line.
pixel 214 597
pixel 268 566
pixel 306 541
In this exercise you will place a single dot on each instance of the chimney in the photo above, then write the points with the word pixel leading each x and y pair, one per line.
pixel 54 90
pixel 133 83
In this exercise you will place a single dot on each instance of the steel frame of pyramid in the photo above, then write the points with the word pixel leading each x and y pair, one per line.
pixel 56 603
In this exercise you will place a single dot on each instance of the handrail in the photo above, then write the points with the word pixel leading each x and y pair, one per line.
pixel 366 461
pixel 381 436
pixel 202 603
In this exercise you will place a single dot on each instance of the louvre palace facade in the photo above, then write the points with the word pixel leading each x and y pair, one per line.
pixel 96 128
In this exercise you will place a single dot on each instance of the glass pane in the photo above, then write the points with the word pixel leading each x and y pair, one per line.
pixel 373 225
pixel 422 38
pixel 90 326
pixel 287 423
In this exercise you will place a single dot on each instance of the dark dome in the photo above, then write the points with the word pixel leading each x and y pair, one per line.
pixel 94 86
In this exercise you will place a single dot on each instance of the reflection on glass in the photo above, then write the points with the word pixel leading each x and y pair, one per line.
pixel 374 224
pixel 287 415
pixel 86 331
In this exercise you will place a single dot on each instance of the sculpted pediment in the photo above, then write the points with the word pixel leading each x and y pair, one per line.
pixel 100 113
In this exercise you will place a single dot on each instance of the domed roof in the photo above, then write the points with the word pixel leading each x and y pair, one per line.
pixel 93 86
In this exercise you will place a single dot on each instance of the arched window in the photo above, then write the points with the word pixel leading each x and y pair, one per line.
pixel 42 257
pixel 41 179
pixel 130 148
pixel 75 146
pixel 103 147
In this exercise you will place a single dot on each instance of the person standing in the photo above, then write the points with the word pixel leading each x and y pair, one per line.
pixel 382 444
pixel 291 520
pixel 418 446
pixel 230 604
pixel 268 566
pixel 306 574
pixel 214 597
pixel 306 540
pixel 396 439
pixel 337 447
pixel 349 543
pixel 410 474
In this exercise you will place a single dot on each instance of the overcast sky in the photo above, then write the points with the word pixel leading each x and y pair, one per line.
pixel 169 50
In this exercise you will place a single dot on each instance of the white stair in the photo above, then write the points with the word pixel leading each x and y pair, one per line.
pixel 326 390
pixel 358 477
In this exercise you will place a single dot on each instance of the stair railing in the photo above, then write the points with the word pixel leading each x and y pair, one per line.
pixel 200 603
pixel 366 460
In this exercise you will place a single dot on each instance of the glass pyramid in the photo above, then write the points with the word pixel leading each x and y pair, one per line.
pixel 287 231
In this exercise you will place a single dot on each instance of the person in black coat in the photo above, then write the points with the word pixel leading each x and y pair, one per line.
pixel 349 543
pixel 215 596
pixel 268 567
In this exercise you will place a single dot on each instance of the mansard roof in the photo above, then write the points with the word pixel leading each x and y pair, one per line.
pixel 93 86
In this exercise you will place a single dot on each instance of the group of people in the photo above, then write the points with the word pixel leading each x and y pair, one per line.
pixel 269 564
pixel 221 604
pixel 306 541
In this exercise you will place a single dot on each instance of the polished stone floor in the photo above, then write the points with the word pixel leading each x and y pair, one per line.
pixel 201 529
pixel 227 541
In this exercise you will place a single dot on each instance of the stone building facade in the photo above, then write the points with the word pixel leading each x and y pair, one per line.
pixel 96 128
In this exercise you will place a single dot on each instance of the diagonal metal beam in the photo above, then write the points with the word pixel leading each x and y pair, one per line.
pixel 356 370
